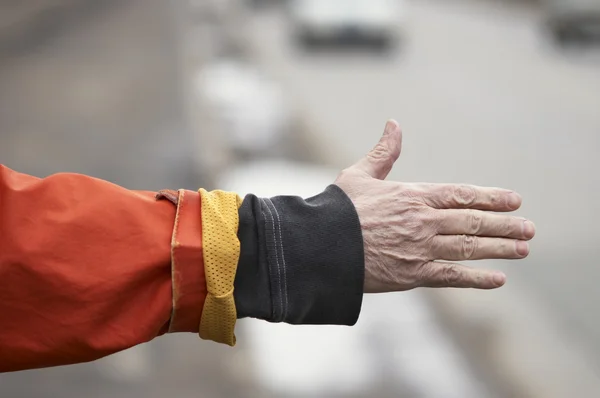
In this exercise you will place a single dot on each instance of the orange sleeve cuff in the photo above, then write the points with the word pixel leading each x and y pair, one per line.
pixel 187 264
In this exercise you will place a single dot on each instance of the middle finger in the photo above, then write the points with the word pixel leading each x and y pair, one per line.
pixel 467 247
pixel 481 223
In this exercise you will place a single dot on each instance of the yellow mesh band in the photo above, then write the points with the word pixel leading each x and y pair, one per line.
pixel 221 250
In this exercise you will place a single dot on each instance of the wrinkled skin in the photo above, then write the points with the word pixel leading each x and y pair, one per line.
pixel 413 232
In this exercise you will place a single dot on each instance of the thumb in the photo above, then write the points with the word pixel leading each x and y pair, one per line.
pixel 380 160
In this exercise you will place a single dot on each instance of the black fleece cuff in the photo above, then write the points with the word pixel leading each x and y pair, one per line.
pixel 301 261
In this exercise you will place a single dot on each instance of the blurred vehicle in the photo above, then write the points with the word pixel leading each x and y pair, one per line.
pixel 249 109
pixel 20 20
pixel 375 22
pixel 573 20
pixel 263 3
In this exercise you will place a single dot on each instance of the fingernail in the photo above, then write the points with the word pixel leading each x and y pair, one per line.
pixel 528 229
pixel 390 125
pixel 522 248
pixel 514 200
pixel 499 278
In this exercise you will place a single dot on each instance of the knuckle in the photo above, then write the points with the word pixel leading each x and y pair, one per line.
pixel 512 226
pixel 475 222
pixel 447 195
pixel 400 194
pixel 451 275
pixel 464 195
pixel 504 248
pixel 468 246
pixel 414 211
pixel 380 153
pixel 431 221
pixel 431 218
pixel 409 191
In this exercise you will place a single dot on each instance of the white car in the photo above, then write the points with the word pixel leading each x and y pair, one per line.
pixel 376 22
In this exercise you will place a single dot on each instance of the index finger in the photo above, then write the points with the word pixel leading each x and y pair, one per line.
pixel 463 196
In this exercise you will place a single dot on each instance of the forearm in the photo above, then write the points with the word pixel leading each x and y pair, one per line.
pixel 88 268
pixel 85 269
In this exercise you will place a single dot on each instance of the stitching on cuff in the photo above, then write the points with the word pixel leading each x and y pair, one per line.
pixel 280 245
pixel 274 265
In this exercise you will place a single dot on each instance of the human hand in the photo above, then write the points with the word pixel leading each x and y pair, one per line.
pixel 409 227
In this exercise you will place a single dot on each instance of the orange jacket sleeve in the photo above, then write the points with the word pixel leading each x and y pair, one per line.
pixel 88 268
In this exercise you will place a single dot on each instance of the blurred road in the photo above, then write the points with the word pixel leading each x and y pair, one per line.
pixel 480 96
pixel 482 99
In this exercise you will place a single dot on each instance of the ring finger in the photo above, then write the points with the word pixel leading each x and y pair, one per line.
pixel 468 247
